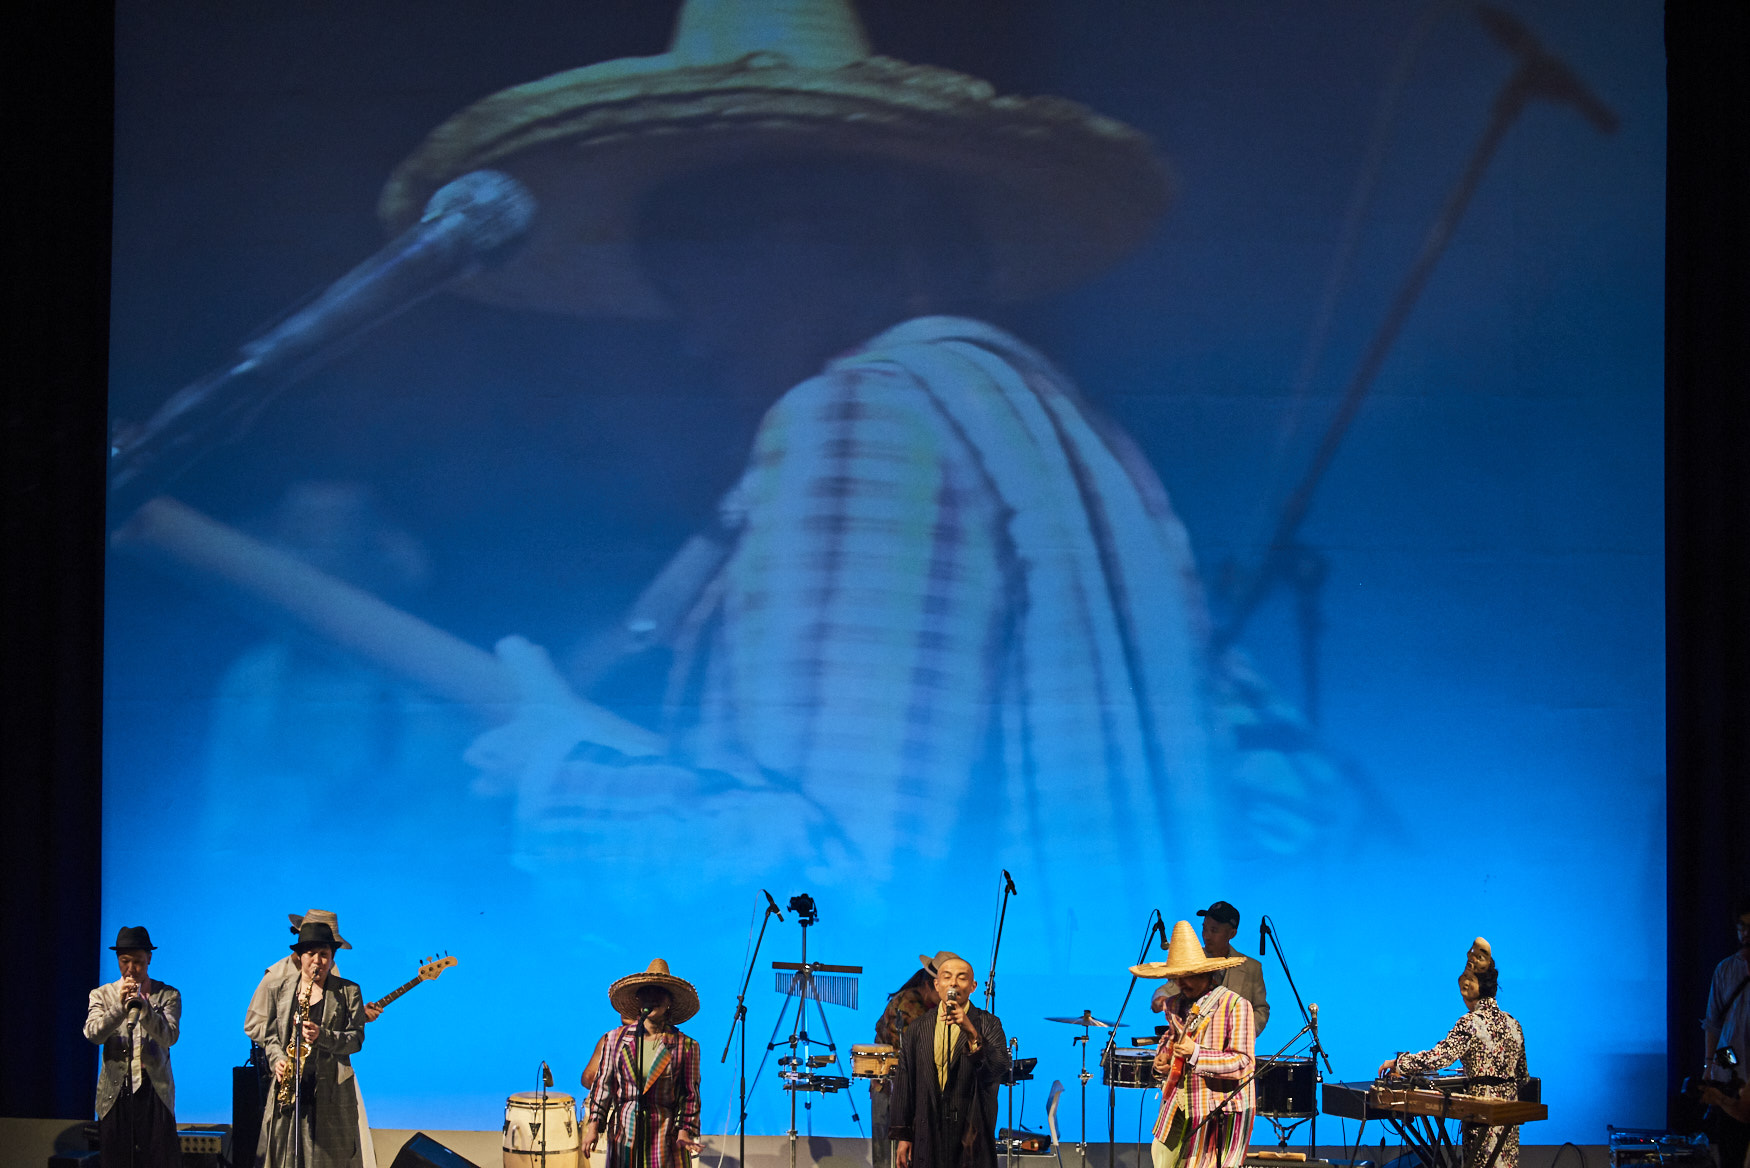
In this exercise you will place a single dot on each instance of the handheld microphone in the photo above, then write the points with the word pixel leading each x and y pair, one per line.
pixel 467 223
pixel 1262 930
pixel 772 907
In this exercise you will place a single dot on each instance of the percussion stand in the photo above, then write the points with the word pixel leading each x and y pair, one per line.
pixel 739 1026
pixel 803 989
pixel 1154 919
pixel 1267 931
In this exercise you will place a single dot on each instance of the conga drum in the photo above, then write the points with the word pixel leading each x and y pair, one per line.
pixel 541 1132
pixel 873 1061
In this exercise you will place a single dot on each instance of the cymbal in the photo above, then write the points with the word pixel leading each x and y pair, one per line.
pixel 1087 1019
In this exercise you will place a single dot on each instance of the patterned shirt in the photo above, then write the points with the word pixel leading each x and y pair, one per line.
pixel 1488 1041
pixel 668 1096
pixel 951 586
pixel 1224 1057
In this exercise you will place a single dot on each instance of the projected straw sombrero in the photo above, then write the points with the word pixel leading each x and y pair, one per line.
pixel 1058 191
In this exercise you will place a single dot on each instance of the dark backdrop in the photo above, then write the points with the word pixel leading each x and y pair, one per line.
pixel 58 70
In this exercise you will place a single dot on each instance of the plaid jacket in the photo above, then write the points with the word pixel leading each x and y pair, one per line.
pixel 1224 1057
pixel 669 1098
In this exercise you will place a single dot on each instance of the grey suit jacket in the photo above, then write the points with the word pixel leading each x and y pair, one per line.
pixel 343 1022
pixel 154 1028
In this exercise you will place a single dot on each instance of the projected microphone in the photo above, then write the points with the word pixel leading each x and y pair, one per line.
pixel 467 223
pixel 772 907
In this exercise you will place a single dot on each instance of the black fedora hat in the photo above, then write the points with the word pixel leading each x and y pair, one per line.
pixel 133 937
pixel 315 935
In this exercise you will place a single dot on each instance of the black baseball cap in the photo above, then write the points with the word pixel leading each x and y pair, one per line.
pixel 1221 911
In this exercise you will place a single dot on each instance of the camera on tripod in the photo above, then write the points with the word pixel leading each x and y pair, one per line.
pixel 804 907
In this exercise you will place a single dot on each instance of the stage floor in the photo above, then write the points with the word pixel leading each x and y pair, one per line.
pixel 28 1143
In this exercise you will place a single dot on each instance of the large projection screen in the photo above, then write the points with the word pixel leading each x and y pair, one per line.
pixel 1447 721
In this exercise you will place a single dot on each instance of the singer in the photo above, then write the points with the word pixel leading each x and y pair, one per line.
pixel 1206 1115
pixel 136 1020
pixel 646 1097
pixel 1221 922
pixel 951 1061
pixel 333 1024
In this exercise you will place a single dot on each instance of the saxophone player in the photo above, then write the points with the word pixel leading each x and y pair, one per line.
pixel 316 1022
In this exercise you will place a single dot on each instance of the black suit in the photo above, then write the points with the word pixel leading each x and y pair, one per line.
pixel 953 1126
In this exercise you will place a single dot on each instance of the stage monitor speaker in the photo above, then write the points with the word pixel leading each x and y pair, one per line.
pixel 424 1152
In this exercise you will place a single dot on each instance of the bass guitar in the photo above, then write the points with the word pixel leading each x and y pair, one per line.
pixel 427 972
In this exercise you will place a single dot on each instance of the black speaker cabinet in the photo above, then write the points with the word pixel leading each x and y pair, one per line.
pixel 424 1152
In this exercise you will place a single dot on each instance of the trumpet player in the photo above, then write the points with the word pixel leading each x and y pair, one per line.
pixel 136 1019
pixel 312 1026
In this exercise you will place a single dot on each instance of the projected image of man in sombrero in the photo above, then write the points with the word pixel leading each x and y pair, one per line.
pixel 945 583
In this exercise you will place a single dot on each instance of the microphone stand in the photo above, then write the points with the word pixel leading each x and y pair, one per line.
pixel 298 1016
pixel 1259 1068
pixel 1107 1055
pixel 738 1024
pixel 1318 1050
pixel 640 1123
pixel 990 1007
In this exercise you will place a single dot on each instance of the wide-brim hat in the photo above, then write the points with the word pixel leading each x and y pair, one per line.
pixel 1185 955
pixel 315 935
pixel 1058 191
pixel 133 937
pixel 931 964
pixel 322 916
pixel 684 999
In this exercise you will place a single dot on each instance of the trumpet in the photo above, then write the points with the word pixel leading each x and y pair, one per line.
pixel 298 1052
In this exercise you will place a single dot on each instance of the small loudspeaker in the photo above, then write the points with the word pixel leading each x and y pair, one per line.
pixel 424 1152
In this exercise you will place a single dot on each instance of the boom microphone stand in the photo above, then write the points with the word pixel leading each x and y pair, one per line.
pixel 990 1007
pixel 739 1025
pixel 1156 924
pixel 1267 932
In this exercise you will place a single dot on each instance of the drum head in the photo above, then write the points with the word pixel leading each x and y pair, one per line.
pixel 532 1100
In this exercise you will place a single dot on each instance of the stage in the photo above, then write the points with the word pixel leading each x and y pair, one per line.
pixel 28 1143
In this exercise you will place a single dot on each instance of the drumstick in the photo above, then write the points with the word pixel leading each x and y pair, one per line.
pixel 350 617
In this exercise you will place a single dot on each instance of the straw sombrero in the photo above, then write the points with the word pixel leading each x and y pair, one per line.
pixel 623 994
pixel 1185 955
pixel 1058 191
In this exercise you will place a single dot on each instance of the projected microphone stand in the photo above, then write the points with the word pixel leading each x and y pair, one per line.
pixel 738 1025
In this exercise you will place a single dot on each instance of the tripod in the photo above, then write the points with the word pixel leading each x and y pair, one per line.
pixel 800 1065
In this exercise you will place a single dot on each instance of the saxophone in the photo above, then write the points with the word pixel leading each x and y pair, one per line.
pixel 298 1052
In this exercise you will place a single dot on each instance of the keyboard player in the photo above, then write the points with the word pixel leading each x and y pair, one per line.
pixel 1490 1044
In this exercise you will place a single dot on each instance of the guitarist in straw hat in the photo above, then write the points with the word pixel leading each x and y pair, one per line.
pixel 1201 1068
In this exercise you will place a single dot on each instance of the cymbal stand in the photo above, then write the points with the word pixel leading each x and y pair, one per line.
pixel 1155 922
pixel 1082 1039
